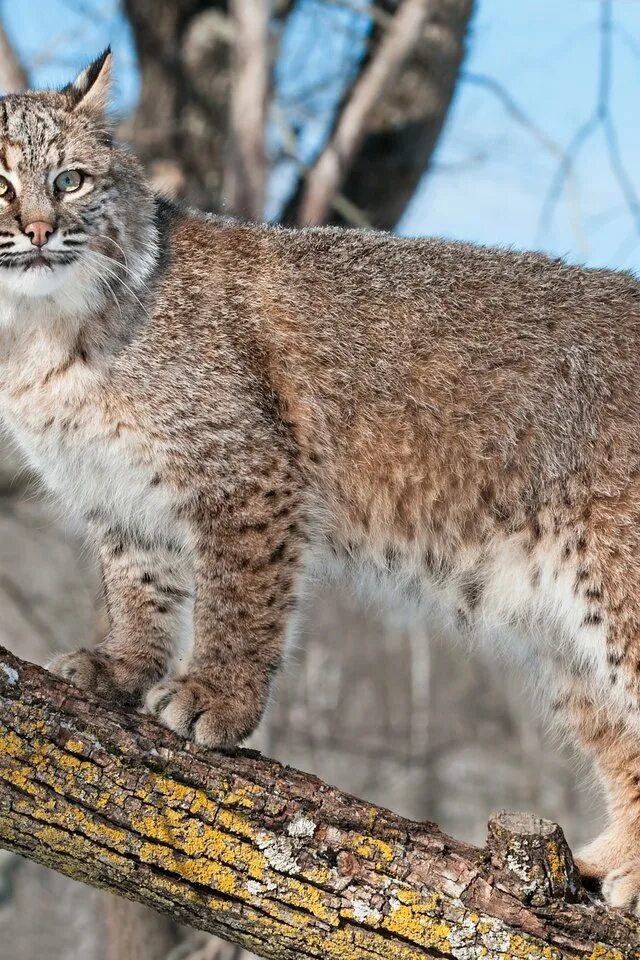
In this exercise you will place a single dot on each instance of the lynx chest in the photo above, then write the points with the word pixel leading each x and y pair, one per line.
pixel 93 450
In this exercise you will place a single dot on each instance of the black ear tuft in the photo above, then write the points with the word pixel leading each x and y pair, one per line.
pixel 90 89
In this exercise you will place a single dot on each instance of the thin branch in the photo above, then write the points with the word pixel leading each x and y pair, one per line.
pixel 601 117
pixel 349 211
pixel 377 14
pixel 514 110
pixel 551 146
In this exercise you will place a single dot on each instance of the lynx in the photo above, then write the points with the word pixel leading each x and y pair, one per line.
pixel 234 409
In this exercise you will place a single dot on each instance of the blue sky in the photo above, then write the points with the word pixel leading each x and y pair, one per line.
pixel 491 175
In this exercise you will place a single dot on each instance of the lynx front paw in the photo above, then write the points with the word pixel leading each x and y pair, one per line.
pixel 94 670
pixel 621 888
pixel 202 713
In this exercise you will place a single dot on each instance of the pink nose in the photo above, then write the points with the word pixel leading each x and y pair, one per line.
pixel 39 231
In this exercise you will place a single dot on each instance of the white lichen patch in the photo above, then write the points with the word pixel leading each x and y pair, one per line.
pixel 365 913
pixel 279 853
pixel 463 937
pixel 11 674
pixel 254 888
pixel 518 863
pixel 301 826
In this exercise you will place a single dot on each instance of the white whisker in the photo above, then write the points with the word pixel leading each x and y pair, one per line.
pixel 115 276
pixel 103 236
pixel 123 266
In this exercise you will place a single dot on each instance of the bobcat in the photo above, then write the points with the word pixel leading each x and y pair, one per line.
pixel 235 408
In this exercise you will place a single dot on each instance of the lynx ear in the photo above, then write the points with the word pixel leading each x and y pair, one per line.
pixel 90 89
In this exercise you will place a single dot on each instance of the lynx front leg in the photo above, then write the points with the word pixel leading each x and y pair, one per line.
pixel 145 589
pixel 247 555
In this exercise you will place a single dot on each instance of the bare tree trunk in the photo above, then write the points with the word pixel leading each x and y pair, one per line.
pixel 180 125
pixel 200 123
pixel 396 46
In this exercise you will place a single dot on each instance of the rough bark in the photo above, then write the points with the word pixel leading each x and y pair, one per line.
pixel 272 858
pixel 197 125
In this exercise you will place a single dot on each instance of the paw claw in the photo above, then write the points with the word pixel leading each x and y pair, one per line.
pixel 80 668
pixel 186 706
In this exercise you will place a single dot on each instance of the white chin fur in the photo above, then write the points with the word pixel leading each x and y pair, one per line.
pixel 67 289
pixel 37 281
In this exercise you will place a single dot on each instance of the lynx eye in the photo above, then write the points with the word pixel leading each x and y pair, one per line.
pixel 68 181
pixel 5 187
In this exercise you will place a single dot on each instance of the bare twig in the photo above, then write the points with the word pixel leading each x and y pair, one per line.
pixel 377 13
pixel 600 118
pixel 352 215
pixel 551 146
pixel 513 109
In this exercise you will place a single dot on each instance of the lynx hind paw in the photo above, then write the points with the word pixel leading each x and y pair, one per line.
pixel 621 888
pixel 93 670
pixel 197 711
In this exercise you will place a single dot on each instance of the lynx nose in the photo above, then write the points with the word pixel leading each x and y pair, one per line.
pixel 39 231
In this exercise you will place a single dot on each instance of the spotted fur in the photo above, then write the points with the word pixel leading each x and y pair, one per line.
pixel 236 409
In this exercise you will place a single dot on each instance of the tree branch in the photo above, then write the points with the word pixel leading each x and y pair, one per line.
pixel 330 169
pixel 272 858
pixel 387 128
pixel 13 76
pixel 246 169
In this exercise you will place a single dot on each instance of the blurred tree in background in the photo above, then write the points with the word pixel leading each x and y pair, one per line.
pixel 374 707
pixel 210 91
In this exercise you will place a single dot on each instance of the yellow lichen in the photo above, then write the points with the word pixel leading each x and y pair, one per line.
pixel 555 861
pixel 607 953
pixel 372 848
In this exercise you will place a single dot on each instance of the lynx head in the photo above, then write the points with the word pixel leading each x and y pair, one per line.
pixel 76 216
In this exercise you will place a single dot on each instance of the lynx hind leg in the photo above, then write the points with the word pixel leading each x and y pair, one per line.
pixel 613 858
pixel 145 590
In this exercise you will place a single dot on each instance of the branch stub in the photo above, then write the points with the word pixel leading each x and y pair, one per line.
pixel 534 853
